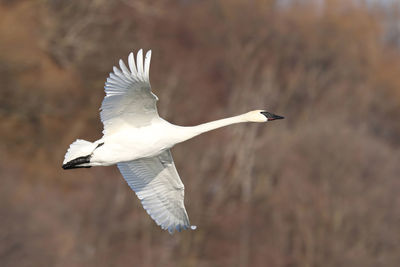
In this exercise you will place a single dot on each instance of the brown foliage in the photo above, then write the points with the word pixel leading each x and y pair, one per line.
pixel 317 189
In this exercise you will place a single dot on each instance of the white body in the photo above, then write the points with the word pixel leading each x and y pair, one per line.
pixel 138 141
pixel 131 143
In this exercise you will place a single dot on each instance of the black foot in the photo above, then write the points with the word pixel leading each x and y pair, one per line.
pixel 73 164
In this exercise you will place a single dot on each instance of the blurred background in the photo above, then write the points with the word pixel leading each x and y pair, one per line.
pixel 320 188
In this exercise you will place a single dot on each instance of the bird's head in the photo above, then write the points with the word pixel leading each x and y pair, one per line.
pixel 261 116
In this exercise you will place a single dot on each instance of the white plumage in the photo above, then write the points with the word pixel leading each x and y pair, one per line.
pixel 157 184
pixel 139 141
pixel 128 95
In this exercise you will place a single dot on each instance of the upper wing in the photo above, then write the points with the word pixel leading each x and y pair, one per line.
pixel 129 99
pixel 157 184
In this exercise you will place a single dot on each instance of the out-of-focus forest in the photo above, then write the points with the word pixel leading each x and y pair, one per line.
pixel 320 188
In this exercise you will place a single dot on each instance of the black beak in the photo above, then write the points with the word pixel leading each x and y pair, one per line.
pixel 271 116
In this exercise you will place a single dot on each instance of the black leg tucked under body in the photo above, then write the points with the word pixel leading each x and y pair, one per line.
pixel 73 164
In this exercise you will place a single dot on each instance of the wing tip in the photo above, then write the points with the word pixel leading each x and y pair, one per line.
pixel 171 229
pixel 139 66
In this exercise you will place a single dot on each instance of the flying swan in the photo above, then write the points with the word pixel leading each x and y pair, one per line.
pixel 139 142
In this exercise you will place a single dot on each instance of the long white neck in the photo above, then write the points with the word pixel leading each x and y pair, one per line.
pixel 192 131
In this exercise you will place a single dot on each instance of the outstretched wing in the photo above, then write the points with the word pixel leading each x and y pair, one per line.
pixel 129 99
pixel 157 184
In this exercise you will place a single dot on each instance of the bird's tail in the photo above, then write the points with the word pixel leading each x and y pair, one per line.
pixel 78 154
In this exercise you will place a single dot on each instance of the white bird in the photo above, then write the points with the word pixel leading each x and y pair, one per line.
pixel 139 142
